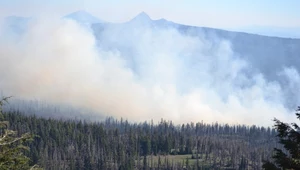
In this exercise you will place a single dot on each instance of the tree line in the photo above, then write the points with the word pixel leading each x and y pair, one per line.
pixel 120 144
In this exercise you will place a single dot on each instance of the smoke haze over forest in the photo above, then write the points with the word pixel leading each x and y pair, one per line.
pixel 148 69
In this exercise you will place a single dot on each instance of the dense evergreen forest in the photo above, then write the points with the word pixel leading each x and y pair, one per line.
pixel 119 144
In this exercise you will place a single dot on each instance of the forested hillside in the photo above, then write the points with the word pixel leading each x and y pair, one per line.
pixel 119 144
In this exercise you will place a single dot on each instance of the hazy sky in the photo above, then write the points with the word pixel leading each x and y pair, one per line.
pixel 212 13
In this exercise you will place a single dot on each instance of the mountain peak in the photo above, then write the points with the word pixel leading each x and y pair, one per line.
pixel 83 17
pixel 142 17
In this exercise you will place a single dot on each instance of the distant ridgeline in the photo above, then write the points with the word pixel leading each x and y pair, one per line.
pixel 118 144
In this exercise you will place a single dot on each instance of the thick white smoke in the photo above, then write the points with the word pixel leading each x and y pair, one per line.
pixel 169 75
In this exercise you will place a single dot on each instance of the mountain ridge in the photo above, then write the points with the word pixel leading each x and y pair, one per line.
pixel 82 16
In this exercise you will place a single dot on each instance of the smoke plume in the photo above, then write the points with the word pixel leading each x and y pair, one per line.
pixel 139 73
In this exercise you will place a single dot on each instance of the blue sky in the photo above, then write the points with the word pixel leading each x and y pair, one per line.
pixel 212 13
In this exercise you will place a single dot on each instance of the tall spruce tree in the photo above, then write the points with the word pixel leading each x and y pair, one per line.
pixel 289 137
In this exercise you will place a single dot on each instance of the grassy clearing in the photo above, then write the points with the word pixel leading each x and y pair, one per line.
pixel 173 160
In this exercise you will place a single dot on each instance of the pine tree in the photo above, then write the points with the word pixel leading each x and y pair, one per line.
pixel 243 164
pixel 12 147
pixel 289 137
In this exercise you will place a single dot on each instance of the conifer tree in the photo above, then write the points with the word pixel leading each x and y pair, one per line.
pixel 12 147
pixel 289 137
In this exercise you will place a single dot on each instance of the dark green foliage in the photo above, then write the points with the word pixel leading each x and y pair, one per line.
pixel 270 166
pixel 289 137
pixel 243 164
pixel 12 146
pixel 145 145
pixel 112 144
